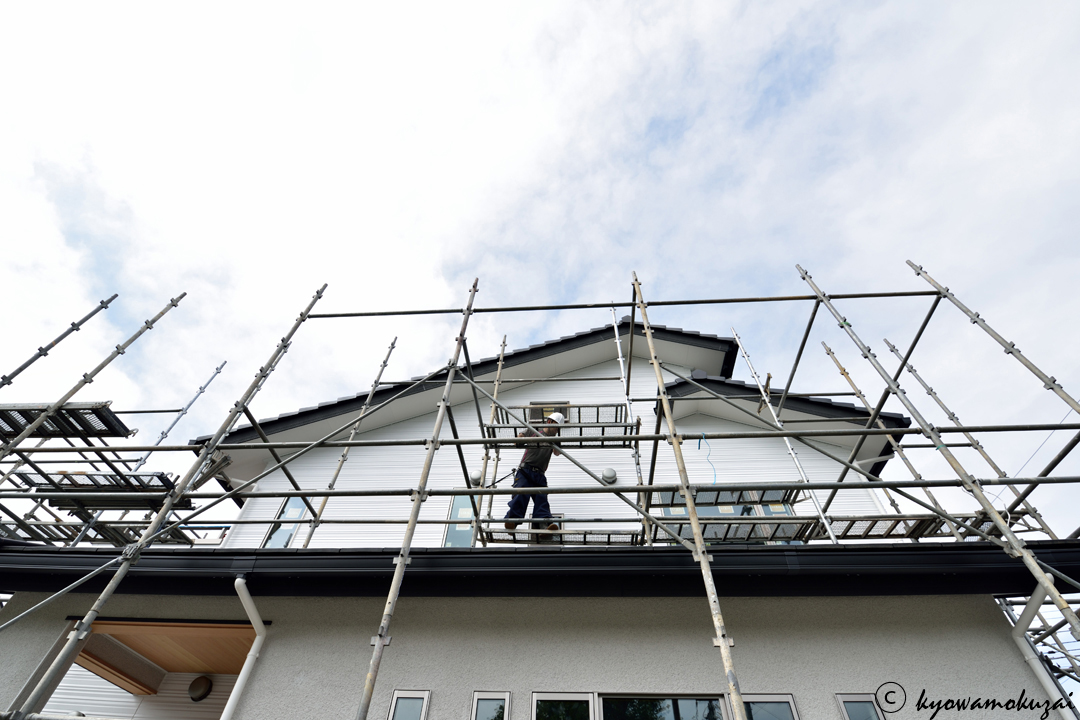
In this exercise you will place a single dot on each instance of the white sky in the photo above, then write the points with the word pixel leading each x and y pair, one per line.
pixel 246 154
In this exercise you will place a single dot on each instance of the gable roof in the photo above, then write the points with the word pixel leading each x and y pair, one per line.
pixel 724 350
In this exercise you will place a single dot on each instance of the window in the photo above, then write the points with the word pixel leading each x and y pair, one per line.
pixel 770 707
pixel 279 535
pixel 491 706
pixel 460 535
pixel 858 707
pixel 562 706
pixel 409 705
pixel 540 410
pixel 661 708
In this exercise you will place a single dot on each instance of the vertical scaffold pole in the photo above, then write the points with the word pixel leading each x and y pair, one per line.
pixel 1016 546
pixel 382 639
pixel 721 640
pixel 487 448
pixel 131 553
pixel 787 442
pixel 645 534
pixel 352 434
pixel 974 442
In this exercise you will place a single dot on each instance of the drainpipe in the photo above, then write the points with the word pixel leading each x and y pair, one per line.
pixel 1031 657
pixel 253 654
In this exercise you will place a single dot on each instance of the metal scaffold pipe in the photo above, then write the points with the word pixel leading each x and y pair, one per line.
pixel 131 553
pixel 488 448
pixel 1050 383
pixel 787 443
pixel 382 638
pixel 897 450
pixel 975 444
pixel 1015 546
pixel 86 379
pixel 618 492
pixel 44 350
pixel 631 304
pixel 701 554
pixel 352 434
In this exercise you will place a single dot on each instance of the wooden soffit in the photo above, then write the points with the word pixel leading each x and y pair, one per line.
pixel 184 647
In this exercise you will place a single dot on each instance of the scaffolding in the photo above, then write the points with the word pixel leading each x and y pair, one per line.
pixel 97 496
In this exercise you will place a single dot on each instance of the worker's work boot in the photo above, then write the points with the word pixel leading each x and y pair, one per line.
pixel 510 525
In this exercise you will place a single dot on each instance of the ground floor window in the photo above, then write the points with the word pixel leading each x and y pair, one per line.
pixel 491 706
pixel 770 707
pixel 858 707
pixel 409 705
pixel 562 706
pixel 661 708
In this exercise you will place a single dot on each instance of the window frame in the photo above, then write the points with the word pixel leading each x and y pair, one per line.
pixel 424 694
pixel 858 697
pixel 721 700
pixel 769 697
pixel 280 521
pixel 487 695
pixel 590 696
pixel 468 521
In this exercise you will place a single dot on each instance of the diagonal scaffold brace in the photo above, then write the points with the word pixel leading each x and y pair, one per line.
pixel 63 659
pixel 1015 547
pixel 382 639
pixel 721 640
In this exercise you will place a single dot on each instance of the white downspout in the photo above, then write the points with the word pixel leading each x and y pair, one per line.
pixel 1019 635
pixel 253 654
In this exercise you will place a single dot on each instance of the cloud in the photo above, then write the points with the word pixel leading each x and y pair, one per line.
pixel 397 153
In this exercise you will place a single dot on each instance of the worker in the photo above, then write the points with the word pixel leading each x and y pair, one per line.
pixel 530 473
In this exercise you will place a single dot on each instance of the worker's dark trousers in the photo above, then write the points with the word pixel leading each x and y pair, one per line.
pixel 529 477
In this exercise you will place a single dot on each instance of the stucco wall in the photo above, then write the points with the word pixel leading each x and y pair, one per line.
pixel 317 652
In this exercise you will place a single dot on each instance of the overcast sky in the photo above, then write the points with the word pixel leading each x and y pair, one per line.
pixel 247 154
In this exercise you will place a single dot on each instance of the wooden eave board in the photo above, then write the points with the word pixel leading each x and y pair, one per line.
pixel 185 647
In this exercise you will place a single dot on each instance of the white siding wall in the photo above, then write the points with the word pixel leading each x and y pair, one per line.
pixel 399 467
pixel 82 691
pixel 317 651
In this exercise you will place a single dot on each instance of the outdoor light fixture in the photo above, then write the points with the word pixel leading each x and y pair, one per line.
pixel 200 688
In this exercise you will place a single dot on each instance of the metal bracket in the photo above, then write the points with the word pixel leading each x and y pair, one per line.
pixel 132 552
pixel 697 557
pixel 377 640
pixel 416 493
pixel 719 642
pixel 78 634
pixel 398 559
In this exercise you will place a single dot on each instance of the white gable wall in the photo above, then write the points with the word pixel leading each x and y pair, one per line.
pixel 400 467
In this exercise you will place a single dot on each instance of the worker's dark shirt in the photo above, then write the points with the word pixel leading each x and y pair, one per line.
pixel 539 455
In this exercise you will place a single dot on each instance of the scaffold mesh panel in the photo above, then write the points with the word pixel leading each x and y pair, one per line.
pixel 74 420
pixel 584 426
pixel 88 483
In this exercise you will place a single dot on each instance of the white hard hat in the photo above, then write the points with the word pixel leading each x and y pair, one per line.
pixel 557 417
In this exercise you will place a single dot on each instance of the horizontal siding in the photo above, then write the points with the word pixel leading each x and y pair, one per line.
pixel 82 691
pixel 762 459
